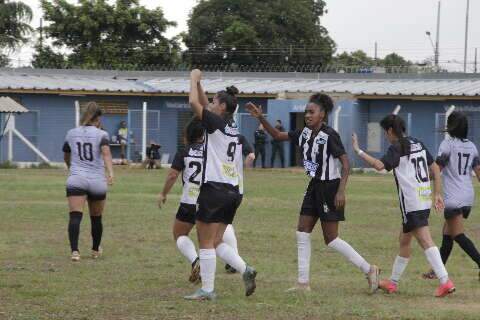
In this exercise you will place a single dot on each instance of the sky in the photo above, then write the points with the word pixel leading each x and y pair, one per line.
pixel 396 25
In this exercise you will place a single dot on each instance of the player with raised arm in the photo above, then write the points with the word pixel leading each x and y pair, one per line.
pixel 219 194
pixel 326 162
pixel 87 153
pixel 413 167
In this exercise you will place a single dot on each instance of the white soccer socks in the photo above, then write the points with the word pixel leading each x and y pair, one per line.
pixel 187 248
pixel 230 238
pixel 435 260
pixel 228 255
pixel 348 252
pixel 208 264
pixel 399 266
pixel 304 253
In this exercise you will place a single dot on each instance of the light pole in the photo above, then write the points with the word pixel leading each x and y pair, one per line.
pixel 466 39
pixel 436 46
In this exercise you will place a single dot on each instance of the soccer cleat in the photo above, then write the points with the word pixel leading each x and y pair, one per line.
pixel 372 278
pixel 388 286
pixel 75 256
pixel 299 287
pixel 201 295
pixel 429 275
pixel 97 254
pixel 445 289
pixel 195 274
pixel 230 269
pixel 249 280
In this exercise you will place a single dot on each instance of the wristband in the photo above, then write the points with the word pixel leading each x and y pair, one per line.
pixel 360 152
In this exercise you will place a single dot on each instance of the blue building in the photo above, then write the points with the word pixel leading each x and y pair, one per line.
pixel 361 101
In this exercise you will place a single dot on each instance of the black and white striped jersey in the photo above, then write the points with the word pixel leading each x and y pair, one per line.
pixel 221 151
pixel 190 162
pixel 320 152
pixel 412 175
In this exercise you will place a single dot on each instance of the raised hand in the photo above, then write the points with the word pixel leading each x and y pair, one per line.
pixel 255 111
pixel 196 75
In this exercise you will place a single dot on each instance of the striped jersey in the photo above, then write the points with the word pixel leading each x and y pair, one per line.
pixel 412 175
pixel 320 152
pixel 458 158
pixel 190 162
pixel 222 151
pixel 85 143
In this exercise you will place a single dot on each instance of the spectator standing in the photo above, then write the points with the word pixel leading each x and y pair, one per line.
pixel 260 141
pixel 277 146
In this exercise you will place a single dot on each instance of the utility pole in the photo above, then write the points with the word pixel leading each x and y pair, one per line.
pixel 376 53
pixel 476 59
pixel 466 39
pixel 40 40
pixel 437 41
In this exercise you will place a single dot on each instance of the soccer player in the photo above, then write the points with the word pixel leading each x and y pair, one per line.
pixel 189 163
pixel 412 166
pixel 457 157
pixel 219 194
pixel 326 162
pixel 87 153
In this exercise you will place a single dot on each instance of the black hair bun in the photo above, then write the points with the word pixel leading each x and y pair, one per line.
pixel 232 90
pixel 322 100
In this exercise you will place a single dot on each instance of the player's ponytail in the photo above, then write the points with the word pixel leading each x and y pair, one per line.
pixel 457 125
pixel 92 112
pixel 229 97
pixel 194 131
pixel 398 127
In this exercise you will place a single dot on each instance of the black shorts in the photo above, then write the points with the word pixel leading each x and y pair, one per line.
pixel 414 220
pixel 186 213
pixel 450 213
pixel 218 203
pixel 319 201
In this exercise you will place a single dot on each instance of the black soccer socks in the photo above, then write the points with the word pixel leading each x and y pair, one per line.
pixel 97 230
pixel 468 246
pixel 74 229
pixel 446 248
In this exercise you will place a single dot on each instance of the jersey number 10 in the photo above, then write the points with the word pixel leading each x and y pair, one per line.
pixel 419 164
pixel 85 151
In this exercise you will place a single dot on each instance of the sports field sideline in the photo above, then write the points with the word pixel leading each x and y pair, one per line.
pixel 142 276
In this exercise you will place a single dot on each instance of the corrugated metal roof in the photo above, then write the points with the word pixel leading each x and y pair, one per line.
pixel 8 105
pixel 248 84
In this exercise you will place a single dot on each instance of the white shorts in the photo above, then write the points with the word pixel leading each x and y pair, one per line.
pixel 94 188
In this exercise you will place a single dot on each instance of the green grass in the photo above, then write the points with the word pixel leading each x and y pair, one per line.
pixel 142 276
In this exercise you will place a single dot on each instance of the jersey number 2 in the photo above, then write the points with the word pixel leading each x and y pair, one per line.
pixel 198 169
pixel 85 149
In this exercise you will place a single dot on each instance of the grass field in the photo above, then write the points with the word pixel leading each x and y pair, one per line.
pixel 142 276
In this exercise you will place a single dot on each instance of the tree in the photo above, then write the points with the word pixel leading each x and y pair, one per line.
pixel 122 35
pixel 356 58
pixel 45 57
pixel 4 61
pixel 15 17
pixel 258 32
pixel 394 60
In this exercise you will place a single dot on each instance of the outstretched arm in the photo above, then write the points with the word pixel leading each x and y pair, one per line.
pixel 371 161
pixel 193 97
pixel 256 112
pixel 201 95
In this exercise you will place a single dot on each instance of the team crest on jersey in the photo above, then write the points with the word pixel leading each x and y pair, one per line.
pixel 305 134
pixel 195 153
pixel 321 141
pixel 229 170
pixel 414 147
pixel 233 130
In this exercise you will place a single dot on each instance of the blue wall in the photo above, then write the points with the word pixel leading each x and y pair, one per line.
pixel 51 116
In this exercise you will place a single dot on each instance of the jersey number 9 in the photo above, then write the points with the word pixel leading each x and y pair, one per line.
pixel 232 147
